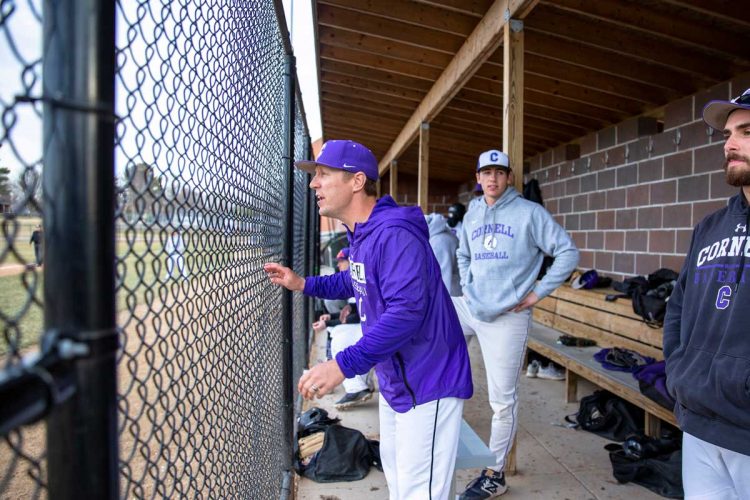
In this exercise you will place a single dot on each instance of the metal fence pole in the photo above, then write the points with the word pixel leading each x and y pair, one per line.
pixel 308 305
pixel 316 231
pixel 287 307
pixel 79 271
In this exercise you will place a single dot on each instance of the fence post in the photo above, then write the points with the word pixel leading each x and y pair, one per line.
pixel 79 271
pixel 287 306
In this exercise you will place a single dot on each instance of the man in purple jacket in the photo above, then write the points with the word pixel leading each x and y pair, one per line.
pixel 411 333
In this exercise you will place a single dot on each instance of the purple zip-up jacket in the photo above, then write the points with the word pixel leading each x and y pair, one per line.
pixel 411 332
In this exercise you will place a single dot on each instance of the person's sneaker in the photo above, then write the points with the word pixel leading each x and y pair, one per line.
pixel 551 372
pixel 353 399
pixel 490 484
pixel 533 369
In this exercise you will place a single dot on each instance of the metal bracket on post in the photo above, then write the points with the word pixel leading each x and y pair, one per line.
pixel 516 25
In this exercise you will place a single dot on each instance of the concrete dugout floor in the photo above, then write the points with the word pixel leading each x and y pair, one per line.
pixel 553 462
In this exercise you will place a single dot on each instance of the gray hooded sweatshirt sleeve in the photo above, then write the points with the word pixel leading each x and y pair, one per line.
pixel 444 245
pixel 501 251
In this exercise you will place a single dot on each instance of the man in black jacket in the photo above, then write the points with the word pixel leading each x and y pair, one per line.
pixel 707 332
pixel 37 239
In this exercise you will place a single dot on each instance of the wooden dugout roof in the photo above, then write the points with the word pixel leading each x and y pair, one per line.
pixel 386 66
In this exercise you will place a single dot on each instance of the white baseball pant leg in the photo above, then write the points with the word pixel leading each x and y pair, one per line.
pixel 343 336
pixel 710 472
pixel 418 448
pixel 503 343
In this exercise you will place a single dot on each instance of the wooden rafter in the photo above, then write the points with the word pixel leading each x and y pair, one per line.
pixel 482 42
pixel 385 66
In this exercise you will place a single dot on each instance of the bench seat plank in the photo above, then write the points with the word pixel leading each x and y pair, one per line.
pixel 580 361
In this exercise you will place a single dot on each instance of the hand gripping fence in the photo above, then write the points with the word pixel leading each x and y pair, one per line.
pixel 148 144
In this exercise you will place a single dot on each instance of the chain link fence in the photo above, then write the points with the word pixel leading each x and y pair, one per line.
pixel 201 184
pixel 23 462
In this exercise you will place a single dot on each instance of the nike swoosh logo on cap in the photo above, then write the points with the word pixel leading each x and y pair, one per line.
pixel 349 166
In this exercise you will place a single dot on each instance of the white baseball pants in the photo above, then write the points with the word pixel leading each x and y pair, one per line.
pixel 503 342
pixel 418 448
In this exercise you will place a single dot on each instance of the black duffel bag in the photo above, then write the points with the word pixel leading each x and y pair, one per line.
pixel 653 463
pixel 608 416
pixel 346 454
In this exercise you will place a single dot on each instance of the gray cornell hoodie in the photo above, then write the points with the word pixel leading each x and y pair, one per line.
pixel 501 251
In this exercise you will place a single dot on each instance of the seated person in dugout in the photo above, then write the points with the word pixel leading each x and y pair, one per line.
pixel 410 331
pixel 344 331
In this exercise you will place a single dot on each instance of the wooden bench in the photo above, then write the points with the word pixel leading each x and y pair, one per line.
pixel 472 453
pixel 586 314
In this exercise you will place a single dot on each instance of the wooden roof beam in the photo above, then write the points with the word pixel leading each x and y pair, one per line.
pixel 379 61
pixel 549 19
pixel 368 85
pixel 665 25
pixel 485 38
pixel 388 29
pixel 618 65
pixel 367 106
pixel 379 75
pixel 357 63
pixel 480 113
pixel 378 46
pixel 730 12
pixel 424 16
pixel 395 104
pixel 476 8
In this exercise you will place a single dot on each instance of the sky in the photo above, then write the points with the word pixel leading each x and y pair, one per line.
pixel 300 23
pixel 25 31
pixel 24 28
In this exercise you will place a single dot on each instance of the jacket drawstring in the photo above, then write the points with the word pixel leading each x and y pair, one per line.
pixel 742 258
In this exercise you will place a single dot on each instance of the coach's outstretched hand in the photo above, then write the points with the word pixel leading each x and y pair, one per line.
pixel 284 276
pixel 320 379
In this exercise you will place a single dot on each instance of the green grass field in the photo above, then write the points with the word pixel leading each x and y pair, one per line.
pixel 22 318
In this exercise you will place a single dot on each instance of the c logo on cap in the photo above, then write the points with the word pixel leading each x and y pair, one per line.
pixel 493 156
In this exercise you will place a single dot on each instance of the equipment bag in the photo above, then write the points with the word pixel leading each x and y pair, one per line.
pixel 346 455
pixel 649 294
pixel 653 463
pixel 608 416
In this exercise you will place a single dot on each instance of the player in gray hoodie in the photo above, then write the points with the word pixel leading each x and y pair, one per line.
pixel 502 244
pixel 444 245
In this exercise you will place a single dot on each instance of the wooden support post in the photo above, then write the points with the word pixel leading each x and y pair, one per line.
pixel 480 45
pixel 378 189
pixel 424 166
pixel 652 426
pixel 513 98
pixel 394 180
pixel 571 386
pixel 510 461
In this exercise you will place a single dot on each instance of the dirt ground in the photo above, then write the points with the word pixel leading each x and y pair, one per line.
pixel 199 382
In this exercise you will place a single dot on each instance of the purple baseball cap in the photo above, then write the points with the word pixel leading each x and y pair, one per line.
pixel 344 155
pixel 587 280
pixel 715 113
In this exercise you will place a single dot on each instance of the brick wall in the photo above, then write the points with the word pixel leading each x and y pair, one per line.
pixel 630 194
